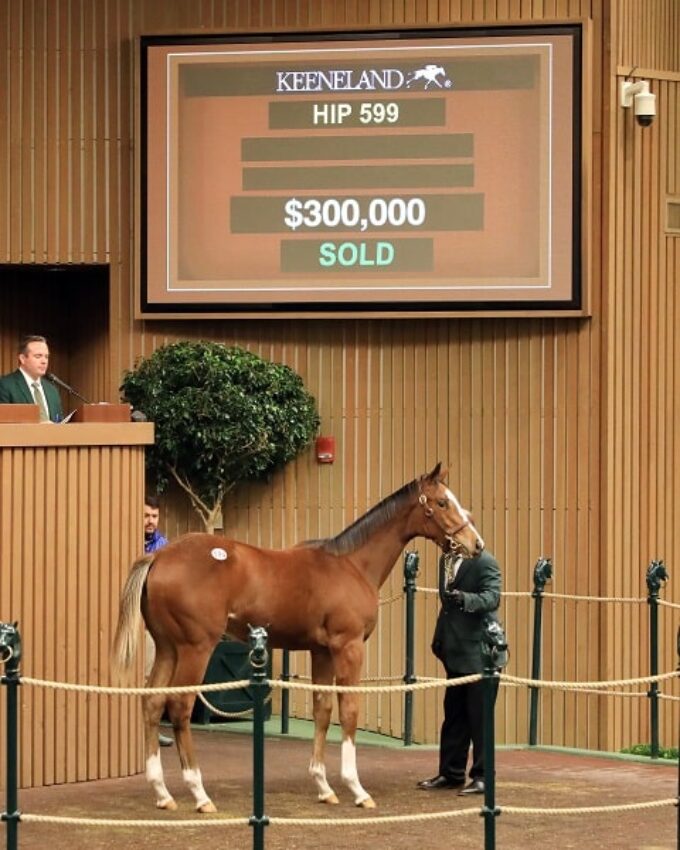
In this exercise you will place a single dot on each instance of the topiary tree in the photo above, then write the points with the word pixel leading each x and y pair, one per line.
pixel 222 415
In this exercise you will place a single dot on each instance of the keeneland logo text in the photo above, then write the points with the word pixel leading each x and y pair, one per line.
pixel 383 79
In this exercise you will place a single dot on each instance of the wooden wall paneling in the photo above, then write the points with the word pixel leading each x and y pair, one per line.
pixel 68 569
pixel 90 541
pixel 68 197
pixel 368 470
pixel 5 137
pixel 636 298
pixel 54 587
pixel 48 655
pixel 101 727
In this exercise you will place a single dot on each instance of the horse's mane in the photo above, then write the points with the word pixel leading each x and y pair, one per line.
pixel 356 534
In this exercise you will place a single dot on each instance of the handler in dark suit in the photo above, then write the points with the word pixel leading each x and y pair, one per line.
pixel 470 593
pixel 26 385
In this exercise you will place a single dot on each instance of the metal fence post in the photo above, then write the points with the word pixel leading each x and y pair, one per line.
pixel 285 695
pixel 258 681
pixel 10 655
pixel 495 656
pixel 656 574
pixel 542 574
pixel 410 573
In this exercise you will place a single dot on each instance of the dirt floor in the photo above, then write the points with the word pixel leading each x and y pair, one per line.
pixel 535 779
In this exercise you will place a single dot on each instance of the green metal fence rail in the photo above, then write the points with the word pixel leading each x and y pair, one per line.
pixel 656 574
pixel 542 574
pixel 410 574
pixel 10 655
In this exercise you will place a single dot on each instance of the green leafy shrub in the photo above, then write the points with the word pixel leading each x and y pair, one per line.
pixel 646 750
pixel 223 415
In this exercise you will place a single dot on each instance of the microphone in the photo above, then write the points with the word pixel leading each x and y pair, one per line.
pixel 53 378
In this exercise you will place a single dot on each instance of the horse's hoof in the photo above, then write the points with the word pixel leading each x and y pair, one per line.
pixel 368 803
pixel 330 799
pixel 208 808
pixel 168 805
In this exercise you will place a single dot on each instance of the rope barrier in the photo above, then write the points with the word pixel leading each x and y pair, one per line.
pixel 362 821
pixel 577 686
pixel 424 684
pixel 423 816
pixel 573 596
pixel 590 810
pixel 66 820
pixel 230 715
pixel 391 599
pixel 108 689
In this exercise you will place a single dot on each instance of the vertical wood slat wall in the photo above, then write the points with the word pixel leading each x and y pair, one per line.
pixel 539 419
pixel 75 501
pixel 642 376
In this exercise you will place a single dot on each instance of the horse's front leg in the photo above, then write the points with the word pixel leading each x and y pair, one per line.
pixel 348 662
pixel 322 674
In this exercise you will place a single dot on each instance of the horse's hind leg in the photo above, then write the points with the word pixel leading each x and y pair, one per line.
pixel 191 664
pixel 348 663
pixel 152 710
pixel 322 674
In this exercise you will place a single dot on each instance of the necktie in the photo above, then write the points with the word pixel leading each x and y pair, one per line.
pixel 38 396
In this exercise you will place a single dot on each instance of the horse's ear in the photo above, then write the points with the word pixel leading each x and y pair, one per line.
pixel 434 475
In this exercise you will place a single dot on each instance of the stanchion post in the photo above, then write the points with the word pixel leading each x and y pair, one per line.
pixel 656 574
pixel 542 574
pixel 495 655
pixel 410 574
pixel 258 682
pixel 285 693
pixel 10 655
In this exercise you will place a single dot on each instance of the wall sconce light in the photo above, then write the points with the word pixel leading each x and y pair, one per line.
pixel 640 98
pixel 325 449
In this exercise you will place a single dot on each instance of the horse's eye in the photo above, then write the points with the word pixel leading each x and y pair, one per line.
pixel 443 503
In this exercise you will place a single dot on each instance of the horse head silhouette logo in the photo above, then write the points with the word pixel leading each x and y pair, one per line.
pixel 431 75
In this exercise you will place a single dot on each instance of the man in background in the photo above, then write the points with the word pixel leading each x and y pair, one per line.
pixel 153 540
pixel 26 385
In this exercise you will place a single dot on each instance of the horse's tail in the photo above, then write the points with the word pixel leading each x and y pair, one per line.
pixel 130 615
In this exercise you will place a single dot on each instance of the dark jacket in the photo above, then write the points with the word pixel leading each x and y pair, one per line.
pixel 15 390
pixel 457 640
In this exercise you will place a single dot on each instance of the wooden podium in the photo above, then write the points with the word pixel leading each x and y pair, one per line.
pixel 102 412
pixel 71 525
pixel 19 413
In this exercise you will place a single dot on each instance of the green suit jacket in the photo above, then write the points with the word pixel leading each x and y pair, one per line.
pixel 458 635
pixel 14 390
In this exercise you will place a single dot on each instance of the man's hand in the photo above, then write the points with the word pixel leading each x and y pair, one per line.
pixel 457 597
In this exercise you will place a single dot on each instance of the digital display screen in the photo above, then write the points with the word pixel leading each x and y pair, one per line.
pixel 408 172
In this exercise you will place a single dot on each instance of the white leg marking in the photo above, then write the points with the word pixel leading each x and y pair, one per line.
pixel 317 770
pixel 194 782
pixel 154 776
pixel 348 771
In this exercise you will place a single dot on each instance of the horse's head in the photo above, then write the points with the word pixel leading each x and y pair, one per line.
pixel 446 522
